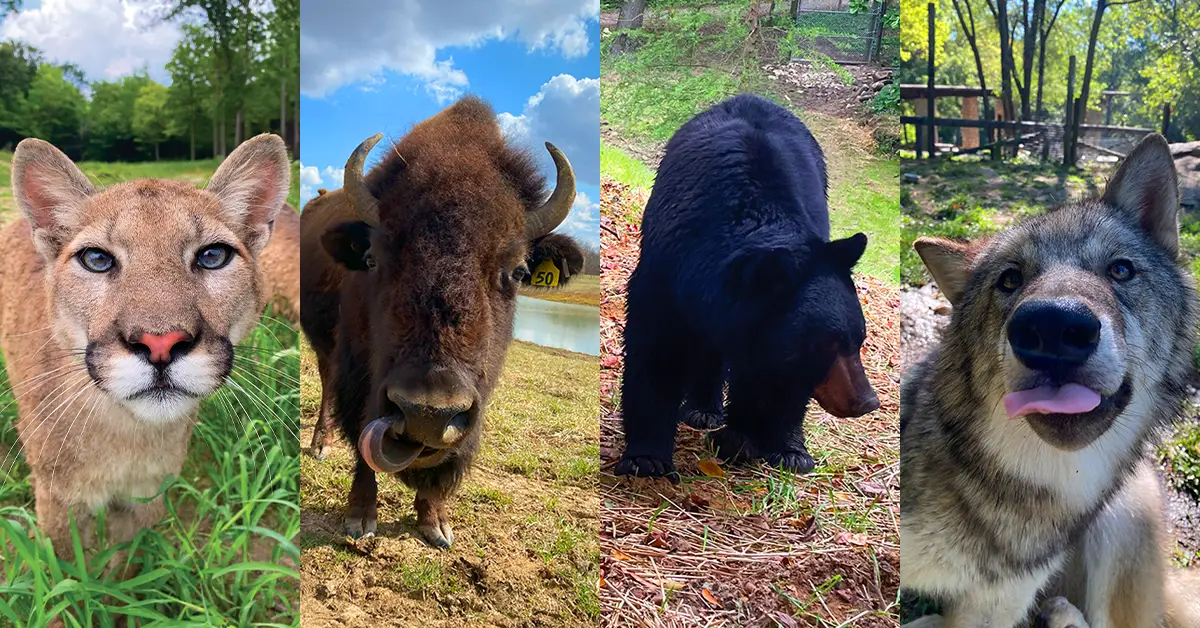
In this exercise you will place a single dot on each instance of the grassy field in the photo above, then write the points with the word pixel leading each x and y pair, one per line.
pixel 821 549
pixel 226 553
pixel 582 290
pixel 525 522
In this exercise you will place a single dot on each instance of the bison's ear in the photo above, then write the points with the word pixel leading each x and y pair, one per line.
pixel 51 193
pixel 564 252
pixel 349 243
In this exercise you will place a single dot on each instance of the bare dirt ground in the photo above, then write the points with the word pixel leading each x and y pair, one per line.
pixel 750 546
pixel 525 522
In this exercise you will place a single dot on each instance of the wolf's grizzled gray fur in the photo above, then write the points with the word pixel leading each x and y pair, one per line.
pixel 1023 435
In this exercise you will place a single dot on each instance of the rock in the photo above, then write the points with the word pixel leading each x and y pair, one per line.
pixel 878 85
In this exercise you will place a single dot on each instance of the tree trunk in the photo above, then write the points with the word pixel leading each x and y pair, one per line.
pixel 156 151
pixel 239 122
pixel 631 14
pixel 1089 65
pixel 192 144
pixel 296 132
pixel 968 26
pixel 283 130
pixel 1032 30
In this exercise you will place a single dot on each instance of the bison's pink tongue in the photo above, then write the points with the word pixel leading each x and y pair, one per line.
pixel 1068 399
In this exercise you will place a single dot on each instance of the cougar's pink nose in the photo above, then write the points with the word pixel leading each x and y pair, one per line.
pixel 160 345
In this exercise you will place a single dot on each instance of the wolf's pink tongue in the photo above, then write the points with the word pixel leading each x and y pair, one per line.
pixel 1068 399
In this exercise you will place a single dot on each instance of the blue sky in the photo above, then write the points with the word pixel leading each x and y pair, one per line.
pixel 539 68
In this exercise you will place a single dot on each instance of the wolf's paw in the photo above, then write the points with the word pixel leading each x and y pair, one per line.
pixel 646 467
pixel 1057 612
pixel 795 461
pixel 359 527
pixel 702 420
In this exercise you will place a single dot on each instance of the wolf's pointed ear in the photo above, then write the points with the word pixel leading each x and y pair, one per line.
pixel 1146 188
pixel 847 251
pixel 51 192
pixel 947 262
pixel 251 185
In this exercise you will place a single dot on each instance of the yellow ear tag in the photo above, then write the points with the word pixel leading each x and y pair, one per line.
pixel 545 275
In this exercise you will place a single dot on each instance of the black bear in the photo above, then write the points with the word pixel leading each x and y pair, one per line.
pixel 738 282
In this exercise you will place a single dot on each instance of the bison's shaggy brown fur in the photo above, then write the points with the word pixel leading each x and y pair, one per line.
pixel 409 283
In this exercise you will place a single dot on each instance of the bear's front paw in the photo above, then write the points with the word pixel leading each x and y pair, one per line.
pixel 731 446
pixel 646 467
pixel 795 461
pixel 702 420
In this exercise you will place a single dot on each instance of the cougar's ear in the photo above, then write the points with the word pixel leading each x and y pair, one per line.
pixel 1146 189
pixel 51 193
pixel 947 263
pixel 251 185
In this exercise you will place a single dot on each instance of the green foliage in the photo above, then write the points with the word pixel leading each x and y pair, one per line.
pixel 1182 453
pixel 887 101
pixel 54 109
pixel 150 121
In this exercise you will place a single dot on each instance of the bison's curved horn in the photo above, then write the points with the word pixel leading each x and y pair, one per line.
pixel 355 187
pixel 544 219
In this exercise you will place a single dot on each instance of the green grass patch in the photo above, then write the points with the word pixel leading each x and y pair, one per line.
pixel 618 165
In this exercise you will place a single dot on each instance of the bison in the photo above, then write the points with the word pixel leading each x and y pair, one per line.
pixel 409 280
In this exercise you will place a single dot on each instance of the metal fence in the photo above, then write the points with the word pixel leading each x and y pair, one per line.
pixel 831 29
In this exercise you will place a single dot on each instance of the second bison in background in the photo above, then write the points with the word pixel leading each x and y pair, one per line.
pixel 738 282
pixel 409 281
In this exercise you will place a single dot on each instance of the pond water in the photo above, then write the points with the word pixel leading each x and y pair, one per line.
pixel 560 325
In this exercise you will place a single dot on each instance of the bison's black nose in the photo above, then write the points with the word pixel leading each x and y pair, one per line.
pixel 1053 335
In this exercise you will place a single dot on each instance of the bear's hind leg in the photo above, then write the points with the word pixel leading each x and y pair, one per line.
pixel 704 403
pixel 763 424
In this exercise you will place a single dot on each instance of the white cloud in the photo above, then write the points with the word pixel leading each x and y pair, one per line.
pixel 108 39
pixel 334 175
pixel 310 178
pixel 566 112
pixel 584 220
pixel 356 40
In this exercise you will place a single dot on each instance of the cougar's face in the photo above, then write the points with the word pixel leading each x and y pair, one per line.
pixel 152 291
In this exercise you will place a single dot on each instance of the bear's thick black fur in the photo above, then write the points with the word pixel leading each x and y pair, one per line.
pixel 737 282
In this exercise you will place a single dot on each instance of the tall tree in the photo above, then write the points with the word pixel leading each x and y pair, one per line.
pixel 55 109
pixel 150 123
pixel 189 66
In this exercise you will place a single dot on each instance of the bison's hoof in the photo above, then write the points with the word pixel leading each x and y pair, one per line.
pixel 1057 612
pixel 359 527
pixel 439 535
pixel 647 467
pixel 702 420
pixel 796 461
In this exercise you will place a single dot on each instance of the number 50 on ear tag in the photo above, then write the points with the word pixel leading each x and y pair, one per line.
pixel 545 275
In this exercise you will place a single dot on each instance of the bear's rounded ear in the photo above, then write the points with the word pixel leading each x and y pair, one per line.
pixel 847 251
pixel 763 272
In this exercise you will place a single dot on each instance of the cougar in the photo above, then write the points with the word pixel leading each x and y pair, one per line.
pixel 118 315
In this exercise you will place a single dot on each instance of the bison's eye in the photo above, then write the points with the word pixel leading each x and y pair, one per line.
pixel 1010 280
pixel 520 273
pixel 96 260
pixel 214 256
pixel 1121 270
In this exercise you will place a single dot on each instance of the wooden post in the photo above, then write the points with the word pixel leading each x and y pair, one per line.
pixel 1166 118
pixel 920 105
pixel 1108 98
pixel 931 134
pixel 970 111
pixel 1069 111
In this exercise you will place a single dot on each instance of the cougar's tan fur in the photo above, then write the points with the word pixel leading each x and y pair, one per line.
pixel 95 424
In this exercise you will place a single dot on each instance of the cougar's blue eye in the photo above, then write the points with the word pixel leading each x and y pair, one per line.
pixel 214 256
pixel 96 260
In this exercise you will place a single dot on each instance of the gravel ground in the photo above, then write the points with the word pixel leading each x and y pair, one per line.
pixel 925 313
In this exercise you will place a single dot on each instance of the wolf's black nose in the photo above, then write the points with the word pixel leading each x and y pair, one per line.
pixel 1053 335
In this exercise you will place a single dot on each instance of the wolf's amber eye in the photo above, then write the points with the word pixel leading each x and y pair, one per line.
pixel 1010 280
pixel 214 256
pixel 1121 270
pixel 96 260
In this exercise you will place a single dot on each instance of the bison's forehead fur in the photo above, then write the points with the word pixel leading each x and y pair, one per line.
pixel 455 178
